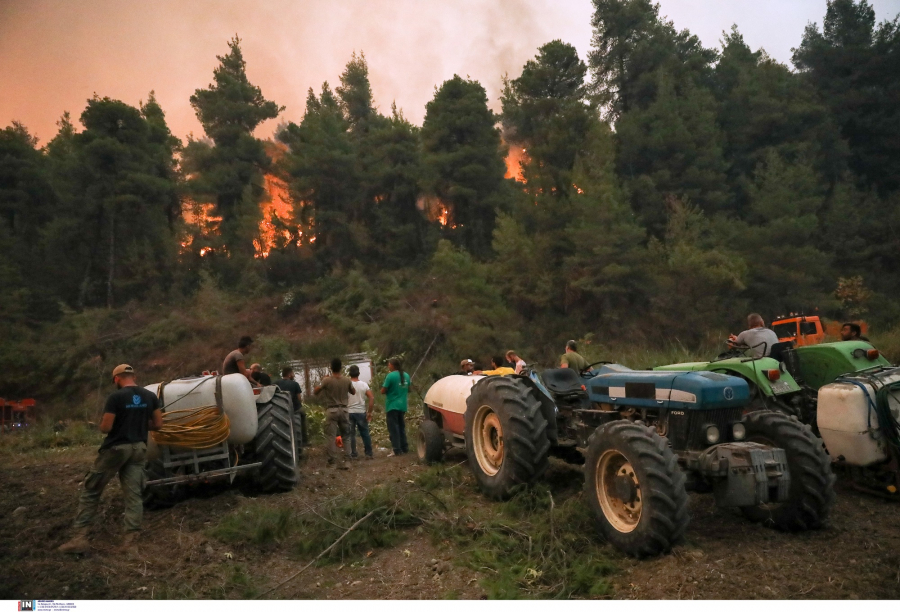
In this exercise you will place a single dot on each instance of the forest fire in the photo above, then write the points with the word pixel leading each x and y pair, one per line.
pixel 514 160
pixel 277 211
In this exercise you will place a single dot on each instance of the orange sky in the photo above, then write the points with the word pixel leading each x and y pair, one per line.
pixel 54 54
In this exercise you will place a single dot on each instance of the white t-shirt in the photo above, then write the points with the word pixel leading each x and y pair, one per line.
pixel 519 365
pixel 357 403
pixel 759 339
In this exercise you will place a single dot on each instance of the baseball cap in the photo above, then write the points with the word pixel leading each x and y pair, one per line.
pixel 122 369
pixel 464 362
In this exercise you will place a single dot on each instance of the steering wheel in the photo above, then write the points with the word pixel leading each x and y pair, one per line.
pixel 593 364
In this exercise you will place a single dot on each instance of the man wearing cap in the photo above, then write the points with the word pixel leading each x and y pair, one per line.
pixel 235 361
pixel 466 367
pixel 130 412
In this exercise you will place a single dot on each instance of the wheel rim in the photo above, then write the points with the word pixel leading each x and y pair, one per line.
pixel 618 491
pixel 420 445
pixel 487 439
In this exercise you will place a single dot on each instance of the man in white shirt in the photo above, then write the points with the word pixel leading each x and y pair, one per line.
pixel 518 362
pixel 359 414
pixel 758 338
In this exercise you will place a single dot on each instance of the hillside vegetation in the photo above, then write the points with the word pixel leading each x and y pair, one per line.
pixel 643 201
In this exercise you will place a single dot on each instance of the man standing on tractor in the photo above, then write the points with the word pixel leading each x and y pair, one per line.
pixel 235 361
pixel 396 389
pixel 758 338
pixel 337 421
pixel 571 358
pixel 287 383
pixel 852 331
pixel 130 412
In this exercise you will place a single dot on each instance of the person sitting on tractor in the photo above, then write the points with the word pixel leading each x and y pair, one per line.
pixel 571 358
pixel 235 360
pixel 513 357
pixel 499 368
pixel 758 338
pixel 256 372
pixel 466 367
pixel 852 331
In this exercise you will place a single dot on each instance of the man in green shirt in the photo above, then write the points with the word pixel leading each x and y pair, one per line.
pixel 571 358
pixel 396 389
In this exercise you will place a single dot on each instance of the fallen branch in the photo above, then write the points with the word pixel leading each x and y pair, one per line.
pixel 320 555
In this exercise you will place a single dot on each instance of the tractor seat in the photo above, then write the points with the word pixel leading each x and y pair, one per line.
pixel 562 381
pixel 779 350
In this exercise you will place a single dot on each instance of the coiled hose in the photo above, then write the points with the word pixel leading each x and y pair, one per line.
pixel 203 427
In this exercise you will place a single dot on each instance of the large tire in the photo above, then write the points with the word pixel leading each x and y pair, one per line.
pixel 506 435
pixel 274 444
pixel 430 442
pixel 636 488
pixel 812 481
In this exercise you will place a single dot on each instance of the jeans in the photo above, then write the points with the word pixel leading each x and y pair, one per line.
pixel 126 460
pixel 396 422
pixel 337 424
pixel 358 421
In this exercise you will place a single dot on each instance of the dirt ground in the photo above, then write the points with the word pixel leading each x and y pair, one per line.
pixel 724 557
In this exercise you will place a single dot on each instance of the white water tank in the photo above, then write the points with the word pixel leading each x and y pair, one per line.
pixel 238 402
pixel 848 424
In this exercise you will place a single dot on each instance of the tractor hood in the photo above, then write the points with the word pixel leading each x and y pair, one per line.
pixel 620 386
pixel 821 364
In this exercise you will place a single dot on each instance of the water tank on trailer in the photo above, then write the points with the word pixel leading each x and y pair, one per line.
pixel 847 421
pixel 238 402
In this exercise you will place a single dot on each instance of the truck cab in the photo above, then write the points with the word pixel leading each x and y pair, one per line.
pixel 802 330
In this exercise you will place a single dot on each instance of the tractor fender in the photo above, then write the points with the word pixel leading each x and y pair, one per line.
pixel 548 409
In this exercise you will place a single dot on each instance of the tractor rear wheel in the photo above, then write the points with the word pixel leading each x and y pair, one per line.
pixel 812 481
pixel 275 445
pixel 430 442
pixel 636 489
pixel 506 435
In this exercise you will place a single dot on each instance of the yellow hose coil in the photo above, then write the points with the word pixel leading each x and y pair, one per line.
pixel 198 428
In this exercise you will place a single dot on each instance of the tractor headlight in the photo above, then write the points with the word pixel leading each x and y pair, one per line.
pixel 738 431
pixel 712 434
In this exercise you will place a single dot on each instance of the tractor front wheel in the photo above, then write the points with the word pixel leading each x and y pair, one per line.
pixel 812 481
pixel 636 489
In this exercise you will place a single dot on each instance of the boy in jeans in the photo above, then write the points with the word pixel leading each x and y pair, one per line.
pixel 359 414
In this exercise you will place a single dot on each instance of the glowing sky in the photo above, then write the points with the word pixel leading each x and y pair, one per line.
pixel 55 54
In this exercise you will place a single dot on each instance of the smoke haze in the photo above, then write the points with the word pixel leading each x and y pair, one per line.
pixel 54 55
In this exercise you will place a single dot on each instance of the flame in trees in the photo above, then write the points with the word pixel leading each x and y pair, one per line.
pixel 275 226
pixel 515 157
pixel 202 225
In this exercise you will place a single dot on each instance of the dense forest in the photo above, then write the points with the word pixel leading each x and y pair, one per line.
pixel 656 192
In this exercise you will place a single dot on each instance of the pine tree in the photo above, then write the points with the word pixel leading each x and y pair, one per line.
pixel 229 173
pixel 463 163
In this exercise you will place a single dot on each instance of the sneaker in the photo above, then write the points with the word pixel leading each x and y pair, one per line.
pixel 369 457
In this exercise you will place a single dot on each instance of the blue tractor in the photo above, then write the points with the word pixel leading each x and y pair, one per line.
pixel 646 438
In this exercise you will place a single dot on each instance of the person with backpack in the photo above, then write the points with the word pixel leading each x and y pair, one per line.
pixel 396 390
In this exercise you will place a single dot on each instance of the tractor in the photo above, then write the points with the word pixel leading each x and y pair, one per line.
pixel 646 439
pixel 812 372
